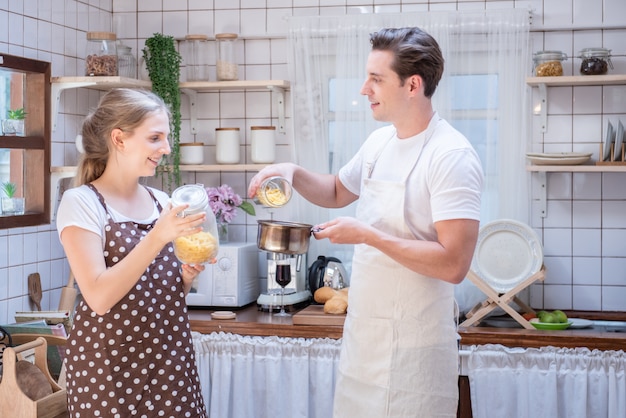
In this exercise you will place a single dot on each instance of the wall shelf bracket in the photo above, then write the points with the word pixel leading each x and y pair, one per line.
pixel 543 100
pixel 280 97
pixel 56 89
pixel 543 193
pixel 192 95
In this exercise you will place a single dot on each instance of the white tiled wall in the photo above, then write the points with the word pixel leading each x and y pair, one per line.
pixel 583 234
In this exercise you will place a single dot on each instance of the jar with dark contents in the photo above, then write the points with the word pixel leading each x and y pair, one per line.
pixel 596 61
pixel 200 247
pixel 101 58
pixel 549 63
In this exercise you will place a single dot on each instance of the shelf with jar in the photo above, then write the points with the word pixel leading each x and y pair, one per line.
pixel 190 88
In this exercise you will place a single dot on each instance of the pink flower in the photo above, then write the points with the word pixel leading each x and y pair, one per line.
pixel 223 202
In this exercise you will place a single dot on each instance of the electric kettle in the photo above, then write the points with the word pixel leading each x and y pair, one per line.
pixel 327 271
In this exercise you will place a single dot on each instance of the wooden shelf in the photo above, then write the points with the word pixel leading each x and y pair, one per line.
pixel 576 168
pixel 578 80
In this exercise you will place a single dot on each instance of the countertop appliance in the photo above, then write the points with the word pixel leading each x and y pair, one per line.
pixel 233 281
pixel 327 271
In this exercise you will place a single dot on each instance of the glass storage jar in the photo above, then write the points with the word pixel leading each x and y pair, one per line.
pixel 226 61
pixel 596 61
pixel 196 57
pixel 126 62
pixel 549 63
pixel 200 247
pixel 274 192
pixel 227 145
pixel 101 54
pixel 263 144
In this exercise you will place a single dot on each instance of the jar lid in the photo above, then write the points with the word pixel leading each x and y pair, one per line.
pixel 193 194
pixel 594 52
pixel 190 144
pixel 101 36
pixel 550 55
pixel 196 37
pixel 226 36
pixel 267 128
pixel 226 129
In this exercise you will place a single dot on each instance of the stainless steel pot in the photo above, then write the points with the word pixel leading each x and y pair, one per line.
pixel 283 237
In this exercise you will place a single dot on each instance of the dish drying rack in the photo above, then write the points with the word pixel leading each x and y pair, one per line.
pixel 495 300
pixel 612 160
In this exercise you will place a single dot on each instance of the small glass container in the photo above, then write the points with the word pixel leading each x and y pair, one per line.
pixel 196 57
pixel 227 145
pixel 548 63
pixel 263 144
pixel 200 247
pixel 274 192
pixel 226 63
pixel 126 62
pixel 596 61
pixel 101 54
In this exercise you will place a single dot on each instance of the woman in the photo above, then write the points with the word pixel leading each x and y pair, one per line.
pixel 130 351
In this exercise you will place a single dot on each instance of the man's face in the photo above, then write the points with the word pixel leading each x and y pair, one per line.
pixel 388 99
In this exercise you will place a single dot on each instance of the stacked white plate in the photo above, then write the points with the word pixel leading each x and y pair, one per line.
pixel 558 158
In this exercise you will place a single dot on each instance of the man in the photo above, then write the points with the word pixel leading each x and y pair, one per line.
pixel 418 182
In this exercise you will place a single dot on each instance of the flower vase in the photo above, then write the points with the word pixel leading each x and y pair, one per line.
pixel 222 232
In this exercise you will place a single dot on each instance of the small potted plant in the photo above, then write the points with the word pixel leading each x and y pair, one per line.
pixel 10 204
pixel 14 124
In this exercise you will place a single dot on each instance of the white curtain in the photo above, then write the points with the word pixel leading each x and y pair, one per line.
pixel 274 377
pixel 482 93
pixel 547 382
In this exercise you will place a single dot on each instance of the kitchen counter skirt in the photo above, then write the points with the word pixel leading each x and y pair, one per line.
pixel 250 321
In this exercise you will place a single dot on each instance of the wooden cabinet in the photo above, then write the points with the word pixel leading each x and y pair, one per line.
pixel 27 85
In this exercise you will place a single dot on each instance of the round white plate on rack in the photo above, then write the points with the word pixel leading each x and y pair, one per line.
pixel 507 253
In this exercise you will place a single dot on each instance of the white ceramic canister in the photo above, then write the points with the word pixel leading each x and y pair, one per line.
pixel 227 145
pixel 191 153
pixel 263 144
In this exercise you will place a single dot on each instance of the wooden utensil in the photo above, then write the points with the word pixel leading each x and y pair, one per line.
pixel 34 289
pixel 68 295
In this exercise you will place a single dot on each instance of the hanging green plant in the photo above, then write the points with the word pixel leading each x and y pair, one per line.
pixel 163 64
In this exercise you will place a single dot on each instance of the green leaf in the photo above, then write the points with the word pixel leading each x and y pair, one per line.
pixel 248 208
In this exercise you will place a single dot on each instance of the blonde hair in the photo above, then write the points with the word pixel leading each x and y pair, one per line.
pixel 120 108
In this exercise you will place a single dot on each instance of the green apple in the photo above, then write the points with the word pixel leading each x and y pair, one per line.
pixel 548 318
pixel 560 316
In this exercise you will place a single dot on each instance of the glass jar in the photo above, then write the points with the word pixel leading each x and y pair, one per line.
pixel 548 63
pixel 195 49
pixel 126 62
pixel 274 192
pixel 101 54
pixel 596 61
pixel 226 62
pixel 263 144
pixel 201 247
pixel 227 145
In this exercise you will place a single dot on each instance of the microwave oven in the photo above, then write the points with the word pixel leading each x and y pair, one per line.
pixel 233 281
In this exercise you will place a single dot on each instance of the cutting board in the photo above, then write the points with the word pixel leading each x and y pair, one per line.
pixel 314 315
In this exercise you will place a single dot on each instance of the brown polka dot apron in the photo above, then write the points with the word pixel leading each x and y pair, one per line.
pixel 136 360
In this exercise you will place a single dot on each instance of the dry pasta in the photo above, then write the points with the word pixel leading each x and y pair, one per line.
pixel 198 248
pixel 272 197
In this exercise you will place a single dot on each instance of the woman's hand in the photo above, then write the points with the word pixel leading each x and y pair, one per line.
pixel 189 272
pixel 171 225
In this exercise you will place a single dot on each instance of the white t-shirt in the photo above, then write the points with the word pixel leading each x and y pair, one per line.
pixel 445 184
pixel 80 207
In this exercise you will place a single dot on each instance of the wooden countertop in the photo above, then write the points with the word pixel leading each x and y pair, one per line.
pixel 251 321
